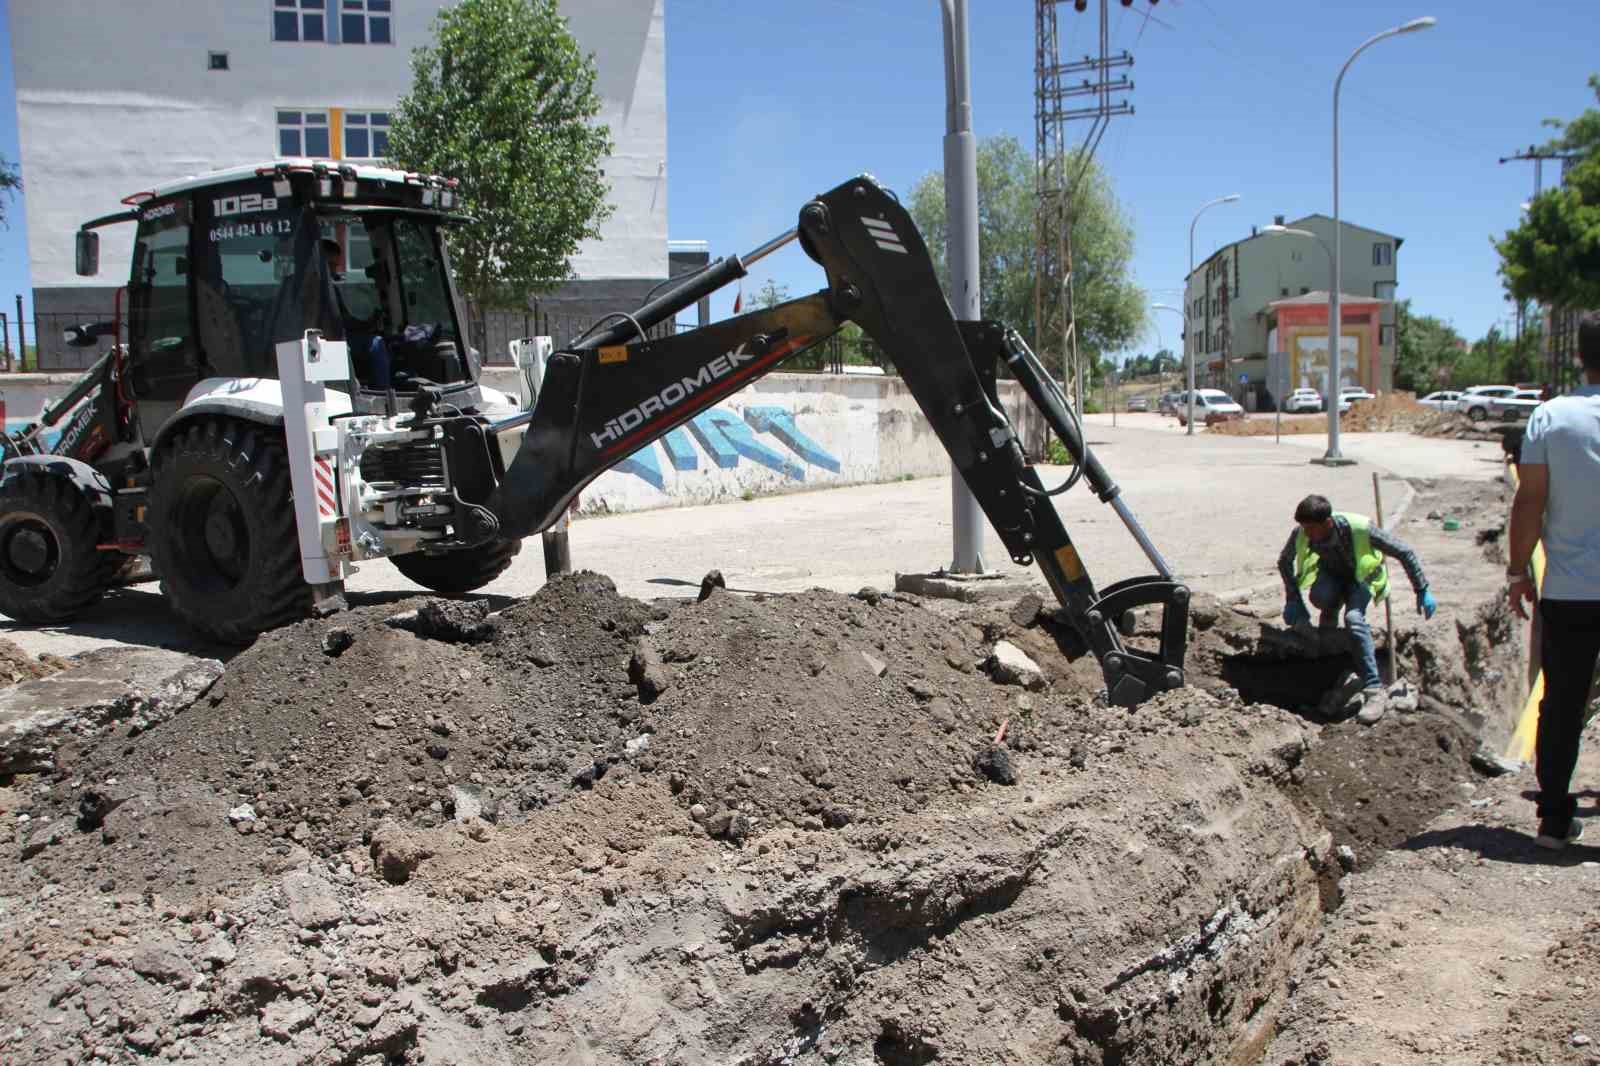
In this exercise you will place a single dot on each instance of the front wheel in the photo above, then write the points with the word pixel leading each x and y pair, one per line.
pixel 1478 414
pixel 458 572
pixel 51 567
pixel 222 530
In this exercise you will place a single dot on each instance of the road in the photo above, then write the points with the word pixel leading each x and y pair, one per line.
pixel 1218 508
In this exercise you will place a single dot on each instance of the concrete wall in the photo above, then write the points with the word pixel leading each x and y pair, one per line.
pixel 113 98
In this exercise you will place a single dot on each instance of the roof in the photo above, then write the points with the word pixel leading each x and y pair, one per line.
pixel 1319 298
pixel 1346 222
pixel 1398 241
pixel 218 177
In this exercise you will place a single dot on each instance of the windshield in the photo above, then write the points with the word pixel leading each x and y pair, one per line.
pixel 391 284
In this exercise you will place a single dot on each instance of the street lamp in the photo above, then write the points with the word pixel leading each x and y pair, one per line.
pixel 1334 457
pixel 1230 198
pixel 961 251
pixel 1182 313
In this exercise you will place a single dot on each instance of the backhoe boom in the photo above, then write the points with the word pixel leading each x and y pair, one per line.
pixel 615 391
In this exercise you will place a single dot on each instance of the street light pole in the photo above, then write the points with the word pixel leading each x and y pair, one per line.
pixel 961 252
pixel 1182 313
pixel 1230 198
pixel 1334 456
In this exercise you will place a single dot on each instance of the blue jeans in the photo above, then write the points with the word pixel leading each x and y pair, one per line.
pixel 1330 592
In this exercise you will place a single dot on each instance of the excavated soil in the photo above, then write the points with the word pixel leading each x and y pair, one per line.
pixel 17 665
pixel 798 829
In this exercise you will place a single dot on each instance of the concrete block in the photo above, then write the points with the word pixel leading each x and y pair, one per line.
pixel 139 686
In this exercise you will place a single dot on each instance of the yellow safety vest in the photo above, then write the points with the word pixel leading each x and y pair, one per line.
pixel 1370 570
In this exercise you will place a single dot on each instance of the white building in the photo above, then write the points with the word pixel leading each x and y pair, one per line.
pixel 113 98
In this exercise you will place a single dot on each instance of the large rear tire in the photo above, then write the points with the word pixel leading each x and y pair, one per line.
pixel 222 530
pixel 51 567
pixel 458 572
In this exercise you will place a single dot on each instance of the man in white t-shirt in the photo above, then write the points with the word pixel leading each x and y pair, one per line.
pixel 1558 501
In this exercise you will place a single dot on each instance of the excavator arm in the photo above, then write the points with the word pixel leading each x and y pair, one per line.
pixel 616 390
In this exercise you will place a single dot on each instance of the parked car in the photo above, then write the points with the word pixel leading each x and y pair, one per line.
pixel 1210 406
pixel 1516 407
pixel 1302 400
pixel 1444 400
pixel 1474 402
pixel 1138 403
pixel 1168 404
pixel 1353 394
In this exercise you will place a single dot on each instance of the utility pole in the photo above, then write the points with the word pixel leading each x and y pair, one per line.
pixel 1557 368
pixel 1065 93
pixel 961 252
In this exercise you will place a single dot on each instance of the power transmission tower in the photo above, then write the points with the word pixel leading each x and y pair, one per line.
pixel 1559 324
pixel 1065 93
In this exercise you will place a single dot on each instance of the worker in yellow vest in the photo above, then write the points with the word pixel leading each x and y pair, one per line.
pixel 1338 557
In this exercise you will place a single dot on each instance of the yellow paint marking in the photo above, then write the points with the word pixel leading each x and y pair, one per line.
pixel 1521 747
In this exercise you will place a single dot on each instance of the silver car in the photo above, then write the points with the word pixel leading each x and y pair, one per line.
pixel 1514 408
pixel 1474 402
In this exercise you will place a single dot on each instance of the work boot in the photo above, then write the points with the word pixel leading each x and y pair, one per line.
pixel 1557 833
pixel 1373 707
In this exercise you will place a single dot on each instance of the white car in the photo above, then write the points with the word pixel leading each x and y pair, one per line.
pixel 1352 393
pixel 1441 401
pixel 1514 408
pixel 1210 406
pixel 1302 400
pixel 1474 402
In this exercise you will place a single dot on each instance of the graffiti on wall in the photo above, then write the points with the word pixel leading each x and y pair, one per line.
pixel 726 440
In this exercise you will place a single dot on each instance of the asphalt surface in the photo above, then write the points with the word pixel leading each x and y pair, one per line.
pixel 1218 508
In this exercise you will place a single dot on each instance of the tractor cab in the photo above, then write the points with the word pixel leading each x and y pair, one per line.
pixel 227 265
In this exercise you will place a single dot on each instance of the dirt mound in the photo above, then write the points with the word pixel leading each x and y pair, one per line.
pixel 1376 786
pixel 17 665
pixel 746 829
pixel 1452 425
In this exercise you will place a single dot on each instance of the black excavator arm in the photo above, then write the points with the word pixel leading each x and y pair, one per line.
pixel 615 390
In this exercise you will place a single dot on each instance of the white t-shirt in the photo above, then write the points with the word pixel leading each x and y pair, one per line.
pixel 1564 435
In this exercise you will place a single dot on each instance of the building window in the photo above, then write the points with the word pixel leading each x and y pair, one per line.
pixel 1382 254
pixel 217 61
pixel 366 134
pixel 304 133
pixel 365 22
pixel 1283 292
pixel 1383 290
pixel 1385 336
pixel 1304 290
pixel 299 20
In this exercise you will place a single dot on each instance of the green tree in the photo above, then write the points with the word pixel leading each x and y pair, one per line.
pixel 770 294
pixel 1426 351
pixel 10 183
pixel 1553 256
pixel 1110 307
pixel 504 100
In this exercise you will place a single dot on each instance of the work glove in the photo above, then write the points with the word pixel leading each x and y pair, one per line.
pixel 1426 604
pixel 1295 612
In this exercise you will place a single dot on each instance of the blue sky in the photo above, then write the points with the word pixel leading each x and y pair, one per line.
pixel 771 102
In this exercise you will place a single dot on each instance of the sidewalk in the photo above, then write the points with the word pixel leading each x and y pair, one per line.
pixel 1218 508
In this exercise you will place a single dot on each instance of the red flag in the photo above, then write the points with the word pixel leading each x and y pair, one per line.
pixel 738 298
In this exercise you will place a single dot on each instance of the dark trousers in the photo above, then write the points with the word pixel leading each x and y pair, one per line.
pixel 1569 645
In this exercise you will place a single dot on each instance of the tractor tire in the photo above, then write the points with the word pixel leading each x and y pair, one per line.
pixel 1478 414
pixel 222 530
pixel 51 567
pixel 458 572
